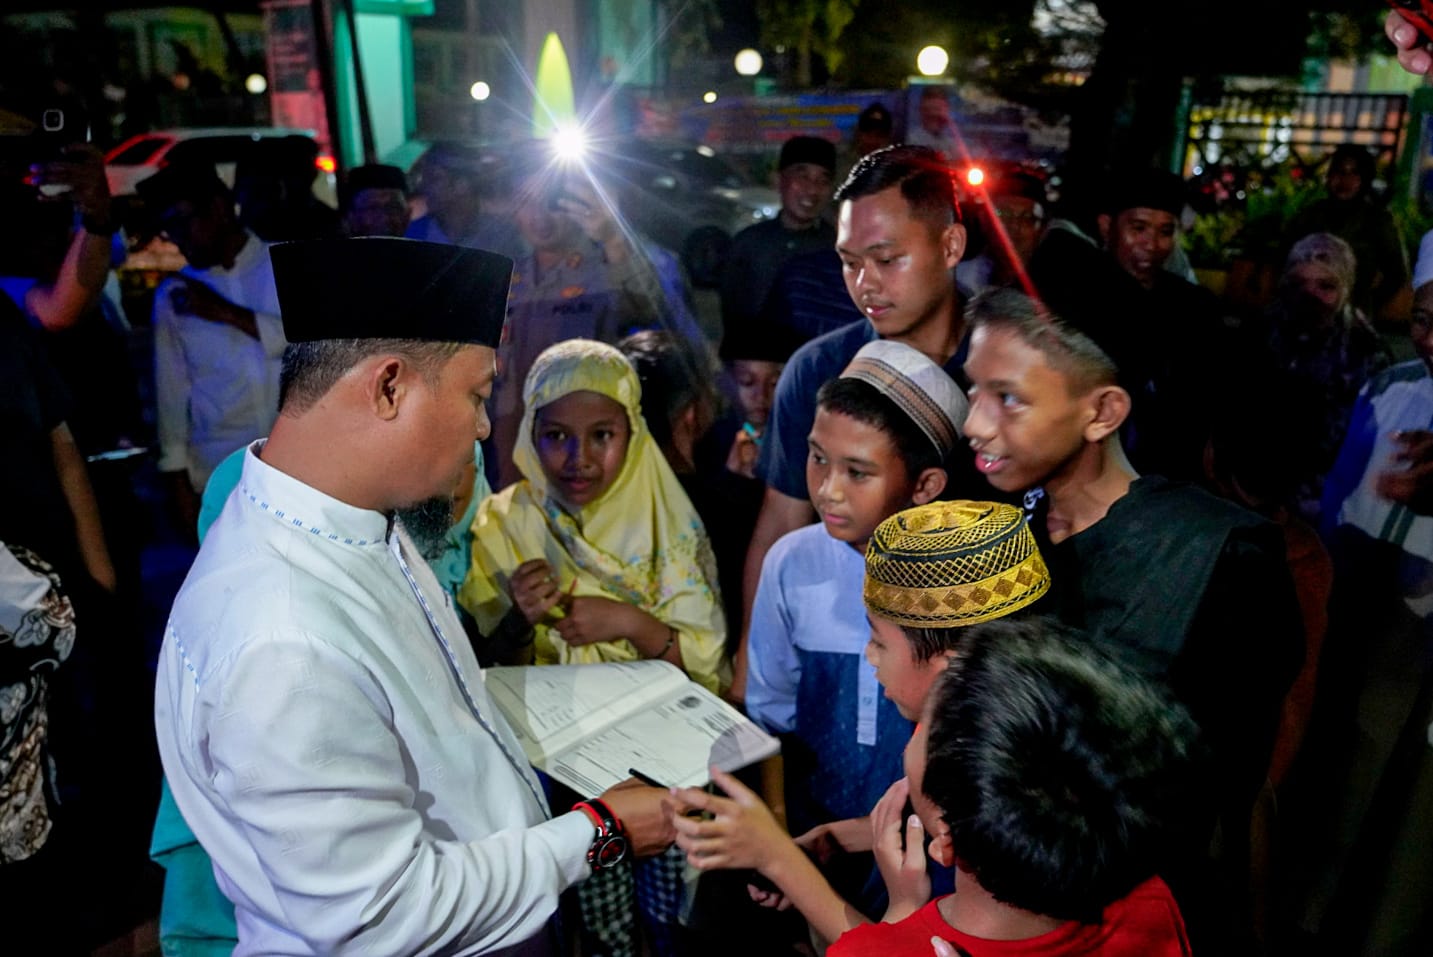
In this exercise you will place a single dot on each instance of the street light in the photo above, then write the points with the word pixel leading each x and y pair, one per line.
pixel 256 83
pixel 480 91
pixel 709 96
pixel 932 61
pixel 748 62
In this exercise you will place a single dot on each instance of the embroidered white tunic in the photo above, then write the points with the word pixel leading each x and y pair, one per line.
pixel 325 730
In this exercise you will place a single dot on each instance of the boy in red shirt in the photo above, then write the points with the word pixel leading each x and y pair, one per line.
pixel 1047 774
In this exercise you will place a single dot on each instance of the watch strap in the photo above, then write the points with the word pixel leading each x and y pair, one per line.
pixel 609 846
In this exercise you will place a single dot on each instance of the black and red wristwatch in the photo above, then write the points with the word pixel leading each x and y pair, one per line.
pixel 609 848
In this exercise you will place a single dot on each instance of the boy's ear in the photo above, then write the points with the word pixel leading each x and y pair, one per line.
pixel 1110 406
pixel 940 849
pixel 1103 222
pixel 929 485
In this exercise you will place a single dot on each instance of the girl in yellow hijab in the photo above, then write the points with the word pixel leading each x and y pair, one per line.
pixel 596 554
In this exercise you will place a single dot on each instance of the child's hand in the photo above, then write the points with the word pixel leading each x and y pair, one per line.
pixel 592 618
pixel 533 589
pixel 825 841
pixel 742 457
pixel 1409 480
pixel 902 869
pixel 741 833
pixel 820 844
pixel 943 948
pixel 772 900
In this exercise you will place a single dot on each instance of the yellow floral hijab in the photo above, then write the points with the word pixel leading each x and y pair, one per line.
pixel 641 542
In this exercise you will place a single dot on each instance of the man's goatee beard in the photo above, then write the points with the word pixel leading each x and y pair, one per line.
pixel 427 523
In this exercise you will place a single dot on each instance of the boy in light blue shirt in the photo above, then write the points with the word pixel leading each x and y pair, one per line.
pixel 882 434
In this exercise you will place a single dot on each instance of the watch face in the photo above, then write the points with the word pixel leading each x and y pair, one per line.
pixel 607 851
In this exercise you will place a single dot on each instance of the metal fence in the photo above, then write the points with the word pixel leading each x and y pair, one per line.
pixel 1272 129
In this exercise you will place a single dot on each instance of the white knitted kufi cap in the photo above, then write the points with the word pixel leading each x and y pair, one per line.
pixel 922 389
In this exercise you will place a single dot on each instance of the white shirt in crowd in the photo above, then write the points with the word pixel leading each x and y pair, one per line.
pixel 216 388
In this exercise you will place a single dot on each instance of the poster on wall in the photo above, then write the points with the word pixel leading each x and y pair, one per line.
pixel 295 83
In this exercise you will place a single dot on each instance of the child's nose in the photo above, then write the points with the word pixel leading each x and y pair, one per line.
pixel 573 450
pixel 978 427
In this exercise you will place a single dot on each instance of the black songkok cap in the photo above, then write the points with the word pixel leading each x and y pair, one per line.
pixel 1146 188
pixel 187 180
pixel 371 176
pixel 808 149
pixel 386 288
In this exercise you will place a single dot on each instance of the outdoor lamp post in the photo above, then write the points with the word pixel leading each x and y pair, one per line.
pixel 932 61
pixel 748 62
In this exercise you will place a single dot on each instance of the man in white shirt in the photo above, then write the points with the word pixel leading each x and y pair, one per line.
pixel 321 716
pixel 218 337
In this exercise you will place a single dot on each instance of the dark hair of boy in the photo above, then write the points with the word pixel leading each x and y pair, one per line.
pixel 671 379
pixel 864 403
pixel 1068 350
pixel 1060 772
pixel 925 180
pixel 928 642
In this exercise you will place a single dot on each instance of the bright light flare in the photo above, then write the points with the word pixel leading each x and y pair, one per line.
pixel 480 91
pixel 709 96
pixel 326 164
pixel 932 61
pixel 975 176
pixel 569 143
pixel 748 62
pixel 256 83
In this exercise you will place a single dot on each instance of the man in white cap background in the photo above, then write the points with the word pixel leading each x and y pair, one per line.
pixel 320 713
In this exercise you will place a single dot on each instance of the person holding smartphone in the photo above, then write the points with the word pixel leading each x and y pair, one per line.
pixel 70 180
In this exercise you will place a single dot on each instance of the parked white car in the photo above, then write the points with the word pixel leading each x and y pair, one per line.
pixel 141 156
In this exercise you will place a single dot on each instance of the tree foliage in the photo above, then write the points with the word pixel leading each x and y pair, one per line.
pixel 1134 58
pixel 809 28
pixel 689 26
